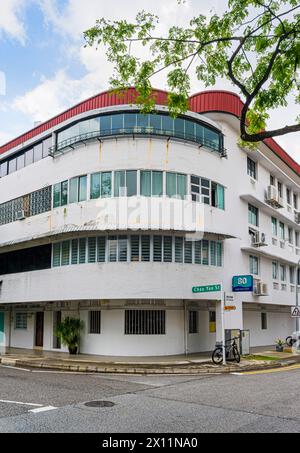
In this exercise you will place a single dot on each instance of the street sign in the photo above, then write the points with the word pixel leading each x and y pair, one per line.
pixel 229 297
pixel 207 289
pixel 230 308
pixel 242 284
pixel 295 312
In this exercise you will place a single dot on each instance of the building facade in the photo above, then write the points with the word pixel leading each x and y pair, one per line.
pixel 114 216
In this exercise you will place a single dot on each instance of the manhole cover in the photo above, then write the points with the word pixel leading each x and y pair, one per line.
pixel 99 404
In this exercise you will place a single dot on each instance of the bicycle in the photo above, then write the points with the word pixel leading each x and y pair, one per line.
pixel 217 355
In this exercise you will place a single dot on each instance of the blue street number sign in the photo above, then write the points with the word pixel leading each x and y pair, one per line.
pixel 242 284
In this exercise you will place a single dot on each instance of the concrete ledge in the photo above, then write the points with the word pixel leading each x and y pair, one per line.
pixel 187 368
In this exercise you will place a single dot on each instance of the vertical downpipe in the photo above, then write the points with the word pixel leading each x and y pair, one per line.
pixel 185 329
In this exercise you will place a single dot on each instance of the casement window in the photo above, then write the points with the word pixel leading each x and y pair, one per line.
pixel 295 197
pixel 274 227
pixel 21 162
pixel 176 185
pixel 193 322
pixel 251 168
pixel 272 180
pixel 297 238
pixel 205 253
pixel 207 192
pixel 78 189
pixel 94 322
pixel 253 215
pixel 60 194
pixel 152 183
pixel 38 152
pixel 145 322
pixel 65 253
pixel 291 235
pixel 279 186
pixel 136 248
pixel 281 231
pixel 125 183
pixel 282 273
pixel 275 270
pixel 101 185
pixel 292 275
pixel 264 321
pixel 145 245
pixel 212 322
pixel 288 196
pixel 21 321
pixel 254 265
pixel 3 169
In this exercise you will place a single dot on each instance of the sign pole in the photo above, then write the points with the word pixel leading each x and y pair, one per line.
pixel 223 323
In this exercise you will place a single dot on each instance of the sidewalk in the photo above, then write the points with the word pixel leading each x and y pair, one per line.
pixel 190 364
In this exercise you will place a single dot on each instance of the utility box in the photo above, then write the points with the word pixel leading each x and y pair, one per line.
pixel 229 335
pixel 245 342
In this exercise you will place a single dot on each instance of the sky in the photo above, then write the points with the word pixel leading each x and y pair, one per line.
pixel 45 68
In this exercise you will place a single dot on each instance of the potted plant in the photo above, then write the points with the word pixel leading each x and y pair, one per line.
pixel 69 333
pixel 279 345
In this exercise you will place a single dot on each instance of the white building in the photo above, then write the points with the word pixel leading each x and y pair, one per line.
pixel 98 212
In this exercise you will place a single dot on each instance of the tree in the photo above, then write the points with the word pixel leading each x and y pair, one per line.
pixel 255 44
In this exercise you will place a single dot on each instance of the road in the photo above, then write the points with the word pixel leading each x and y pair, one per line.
pixel 37 401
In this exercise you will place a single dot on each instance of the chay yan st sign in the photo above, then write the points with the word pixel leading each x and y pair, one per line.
pixel 207 289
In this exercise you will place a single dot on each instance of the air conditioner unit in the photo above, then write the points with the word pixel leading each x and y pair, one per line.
pixel 20 215
pixel 273 197
pixel 259 240
pixel 261 289
pixel 297 217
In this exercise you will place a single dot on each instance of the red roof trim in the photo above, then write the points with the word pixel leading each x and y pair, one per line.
pixel 207 101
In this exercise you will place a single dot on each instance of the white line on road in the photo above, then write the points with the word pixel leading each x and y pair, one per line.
pixel 14 368
pixel 20 403
pixel 42 409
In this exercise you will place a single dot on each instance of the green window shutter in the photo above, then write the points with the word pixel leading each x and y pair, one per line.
pixel 101 249
pixel 146 248
pixel 74 182
pixel 131 183
pixel 146 183
pixel 157 183
pixel 92 250
pixel 219 254
pixel 135 248
pixel 188 252
pixel 171 184
pixel 205 253
pixel 56 255
pixel 64 193
pixel 65 253
pixel 181 186
pixel 213 253
pixel 157 249
pixel 221 197
pixel 112 249
pixel 198 249
pixel 168 252
pixel 56 195
pixel 74 251
pixel 82 251
pixel 122 249
pixel 179 250
pixel 83 188
pixel 119 183
pixel 95 186
pixel 106 185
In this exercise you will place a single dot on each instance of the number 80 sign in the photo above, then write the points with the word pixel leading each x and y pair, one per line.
pixel 242 283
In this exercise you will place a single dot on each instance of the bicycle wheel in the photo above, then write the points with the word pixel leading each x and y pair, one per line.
pixel 217 356
pixel 236 355
pixel 289 341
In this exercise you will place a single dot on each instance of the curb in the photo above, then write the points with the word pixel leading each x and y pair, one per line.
pixel 192 369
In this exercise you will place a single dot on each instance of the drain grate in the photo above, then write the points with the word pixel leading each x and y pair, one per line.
pixel 99 404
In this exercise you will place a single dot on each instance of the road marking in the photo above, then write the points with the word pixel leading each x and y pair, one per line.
pixel 42 409
pixel 273 370
pixel 21 403
pixel 15 368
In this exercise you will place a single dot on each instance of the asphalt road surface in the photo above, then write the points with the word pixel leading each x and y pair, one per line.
pixel 37 401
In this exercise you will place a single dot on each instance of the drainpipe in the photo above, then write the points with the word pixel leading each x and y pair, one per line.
pixel 185 329
pixel 297 296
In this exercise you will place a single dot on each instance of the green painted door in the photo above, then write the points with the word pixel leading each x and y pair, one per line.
pixel 1 328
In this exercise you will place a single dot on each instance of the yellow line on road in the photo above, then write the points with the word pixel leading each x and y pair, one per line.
pixel 273 370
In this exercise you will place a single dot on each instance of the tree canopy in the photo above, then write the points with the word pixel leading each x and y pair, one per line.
pixel 255 44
